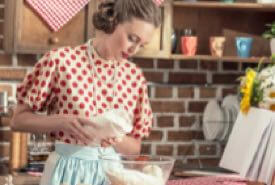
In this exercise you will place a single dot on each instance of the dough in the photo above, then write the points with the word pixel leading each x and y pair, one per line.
pixel 132 177
pixel 153 170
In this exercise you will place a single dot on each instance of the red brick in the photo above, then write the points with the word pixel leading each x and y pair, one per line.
pixel 187 78
pixel 211 162
pixel 1 14
pixel 5 135
pixel 154 77
pixel 1 43
pixel 8 88
pixel 1 27
pixel 185 150
pixel 196 106
pixel 226 78
pixel 163 92
pixel 165 64
pixel 207 92
pixel 4 151
pixel 5 59
pixel 185 92
pixel 207 149
pixel 186 121
pixel 12 74
pixel 146 149
pixel 4 121
pixel 143 63
pixel 193 64
pixel 206 162
pixel 227 91
pixel 155 135
pixel 168 106
pixel 209 65
pixel 165 121
pixel 184 135
pixel 26 60
pixel 164 149
pixel 195 163
pixel 230 66
pixel 4 168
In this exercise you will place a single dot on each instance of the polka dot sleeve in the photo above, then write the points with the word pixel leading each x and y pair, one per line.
pixel 37 88
pixel 142 114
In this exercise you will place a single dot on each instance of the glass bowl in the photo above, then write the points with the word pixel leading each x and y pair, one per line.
pixel 137 169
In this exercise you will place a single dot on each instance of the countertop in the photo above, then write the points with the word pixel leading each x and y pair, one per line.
pixel 25 179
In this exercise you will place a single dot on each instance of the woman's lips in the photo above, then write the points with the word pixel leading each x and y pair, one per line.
pixel 125 55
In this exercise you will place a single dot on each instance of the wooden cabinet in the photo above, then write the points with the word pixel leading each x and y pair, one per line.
pixel 26 32
pixel 224 19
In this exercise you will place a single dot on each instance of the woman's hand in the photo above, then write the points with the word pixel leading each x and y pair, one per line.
pixel 80 128
pixel 110 142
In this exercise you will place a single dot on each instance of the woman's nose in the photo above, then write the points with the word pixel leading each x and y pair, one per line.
pixel 133 49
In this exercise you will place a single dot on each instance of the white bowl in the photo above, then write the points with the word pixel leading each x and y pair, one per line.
pixel 137 169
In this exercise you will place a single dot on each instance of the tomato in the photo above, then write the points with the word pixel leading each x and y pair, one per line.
pixel 142 158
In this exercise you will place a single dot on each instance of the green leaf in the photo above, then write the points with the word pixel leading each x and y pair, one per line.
pixel 270 31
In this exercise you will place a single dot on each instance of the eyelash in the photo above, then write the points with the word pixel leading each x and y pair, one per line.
pixel 131 39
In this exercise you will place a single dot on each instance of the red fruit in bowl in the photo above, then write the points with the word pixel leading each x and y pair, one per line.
pixel 142 158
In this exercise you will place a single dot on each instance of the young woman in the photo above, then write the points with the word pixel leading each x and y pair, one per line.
pixel 75 84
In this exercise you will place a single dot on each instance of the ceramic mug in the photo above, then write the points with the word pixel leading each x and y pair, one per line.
pixel 244 45
pixel 189 45
pixel 217 46
pixel 189 32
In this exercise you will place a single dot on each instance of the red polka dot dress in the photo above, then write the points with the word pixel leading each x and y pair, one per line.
pixel 77 81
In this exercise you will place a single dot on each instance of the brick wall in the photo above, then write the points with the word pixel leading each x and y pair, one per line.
pixel 179 91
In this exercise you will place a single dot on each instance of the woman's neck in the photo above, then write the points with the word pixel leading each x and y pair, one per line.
pixel 102 48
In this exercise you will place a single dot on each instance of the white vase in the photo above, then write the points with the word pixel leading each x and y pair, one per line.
pixel 272 46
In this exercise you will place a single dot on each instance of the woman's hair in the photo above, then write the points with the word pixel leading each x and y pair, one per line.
pixel 113 12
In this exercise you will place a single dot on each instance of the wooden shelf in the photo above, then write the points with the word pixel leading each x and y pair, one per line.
pixel 221 5
pixel 223 59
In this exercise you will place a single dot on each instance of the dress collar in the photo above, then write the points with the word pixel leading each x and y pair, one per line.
pixel 95 55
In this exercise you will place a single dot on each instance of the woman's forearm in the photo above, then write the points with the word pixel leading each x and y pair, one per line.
pixel 25 120
pixel 31 122
pixel 129 146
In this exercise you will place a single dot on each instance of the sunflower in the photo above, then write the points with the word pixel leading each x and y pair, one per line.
pixel 257 87
pixel 247 89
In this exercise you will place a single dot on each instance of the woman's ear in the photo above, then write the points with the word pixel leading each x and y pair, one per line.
pixel 158 2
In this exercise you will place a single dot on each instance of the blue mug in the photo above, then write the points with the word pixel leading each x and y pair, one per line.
pixel 244 45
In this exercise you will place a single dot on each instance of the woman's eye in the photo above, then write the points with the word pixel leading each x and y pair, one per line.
pixel 132 39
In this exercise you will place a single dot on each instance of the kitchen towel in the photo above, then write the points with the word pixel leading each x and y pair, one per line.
pixel 56 13
pixel 114 123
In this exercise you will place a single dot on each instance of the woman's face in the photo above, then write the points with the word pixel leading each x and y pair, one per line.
pixel 129 37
